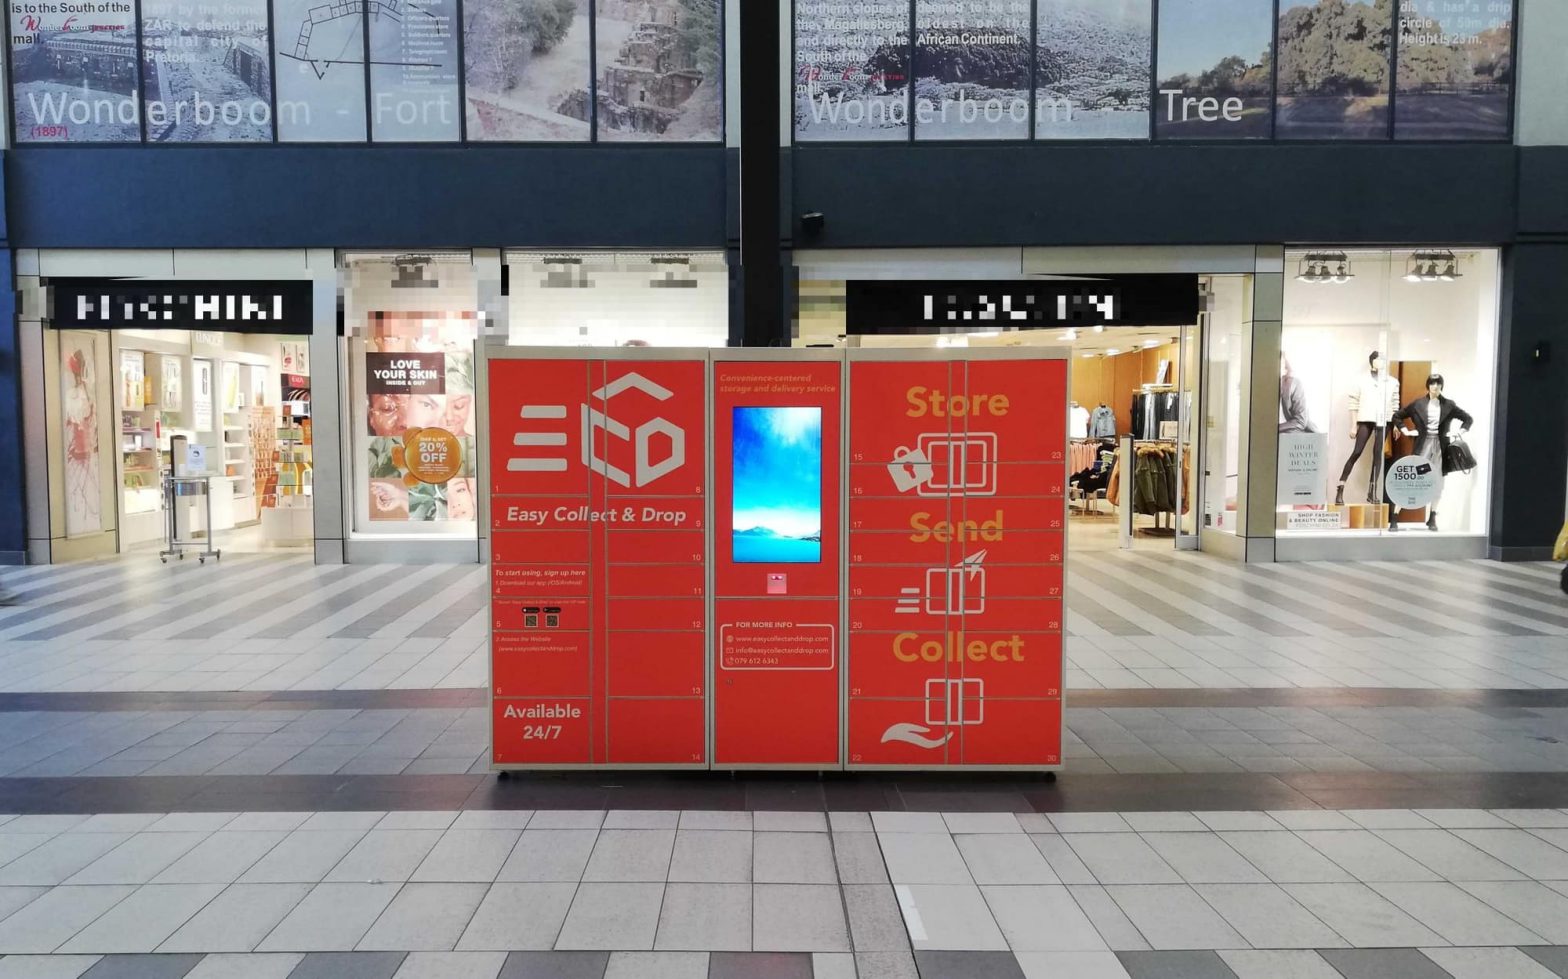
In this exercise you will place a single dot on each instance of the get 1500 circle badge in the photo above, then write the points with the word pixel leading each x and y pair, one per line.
pixel 1412 482
pixel 432 455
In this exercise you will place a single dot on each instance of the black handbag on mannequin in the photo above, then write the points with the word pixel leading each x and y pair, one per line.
pixel 1457 457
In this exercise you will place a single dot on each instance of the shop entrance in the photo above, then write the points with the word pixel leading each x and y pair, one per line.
pixel 224 415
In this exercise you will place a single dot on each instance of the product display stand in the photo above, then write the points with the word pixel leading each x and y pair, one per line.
pixel 175 487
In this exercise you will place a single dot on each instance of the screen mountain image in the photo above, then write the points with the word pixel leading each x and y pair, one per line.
pixel 776 501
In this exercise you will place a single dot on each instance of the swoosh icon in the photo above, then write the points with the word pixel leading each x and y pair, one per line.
pixel 914 734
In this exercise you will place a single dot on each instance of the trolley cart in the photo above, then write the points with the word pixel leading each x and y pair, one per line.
pixel 176 488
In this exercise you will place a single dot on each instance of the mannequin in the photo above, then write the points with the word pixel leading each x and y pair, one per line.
pixel 1293 402
pixel 1077 421
pixel 1432 417
pixel 1372 404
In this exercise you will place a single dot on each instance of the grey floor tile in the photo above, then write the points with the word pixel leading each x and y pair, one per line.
pixel 272 965
pixel 886 965
pixel 1383 963
pixel 1516 847
pixel 793 858
pixel 1036 918
pixel 631 856
pixel 642 819
pixel 302 857
pixel 965 823
pixel 1064 862
pixel 1121 858
pixel 1203 858
pixel 46 923
pixel 1286 859
pixel 142 967
pixel 768 821
pixel 52 862
pixel 923 858
pixel 712 856
pixel 331 918
pixel 451 965
pixel 714 819
pixel 1175 965
pixel 142 921
pixel 424 918
pixel 705 917
pixel 1089 822
pixel 1077 965
pixel 949 917
pixel 1109 920
pixel 1460 918
pixel 495 819
pixel 833 965
pixel 1449 856
pixel 519 916
pixel 45 966
pixel 613 917
pixel 220 858
pixel 875 922
pixel 1554 958
pixel 467 856
pixel 1487 963
pixel 385 855
pixel 1004 858
pixel 850 822
pixel 1367 857
pixel 549 855
pixel 657 965
pixel 798 918
pixel 1173 916
pixel 909 822
pixel 1535 906
pixel 555 965
pixel 348 965
pixel 1361 916
pixel 760 965
pixel 967 965
pixel 15 898
pixel 567 819
pixel 415 819
pixel 1271 964
pixel 238 919
pixel 859 858
pixel 1267 917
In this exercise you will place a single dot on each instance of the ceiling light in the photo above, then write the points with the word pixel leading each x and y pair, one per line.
pixel 1099 327
pixel 1070 335
pixel 1089 356
pixel 1112 352
pixel 1152 343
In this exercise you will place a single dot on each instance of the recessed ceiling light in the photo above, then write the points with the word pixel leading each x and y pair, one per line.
pixel 1112 352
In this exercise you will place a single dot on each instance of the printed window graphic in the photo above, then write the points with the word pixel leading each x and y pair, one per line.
pixel 777 498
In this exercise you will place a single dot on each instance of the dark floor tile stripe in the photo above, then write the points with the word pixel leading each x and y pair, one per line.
pixel 244 700
pixel 554 965
pixel 132 594
pixel 1168 614
pixel 268 605
pixel 157 966
pixel 968 965
pixel 329 605
pixel 1268 591
pixel 451 618
pixel 1181 578
pixel 1500 596
pixel 349 965
pixel 759 965
pixel 1175 965
pixel 396 605
pixel 1554 958
pixel 1383 963
pixel 1080 604
pixel 1299 578
pixel 235 584
pixel 1371 581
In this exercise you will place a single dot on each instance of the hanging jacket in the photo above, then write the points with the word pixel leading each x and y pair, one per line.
pixel 1102 423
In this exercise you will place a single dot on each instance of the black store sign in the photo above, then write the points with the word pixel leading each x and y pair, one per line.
pixel 249 306
pixel 949 306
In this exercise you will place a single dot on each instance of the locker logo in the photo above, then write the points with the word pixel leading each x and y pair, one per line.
pixel 645 470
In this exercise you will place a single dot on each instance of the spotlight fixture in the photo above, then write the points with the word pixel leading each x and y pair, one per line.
pixel 1324 267
pixel 1432 266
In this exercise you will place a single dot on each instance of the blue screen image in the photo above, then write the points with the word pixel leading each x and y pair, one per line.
pixel 776 506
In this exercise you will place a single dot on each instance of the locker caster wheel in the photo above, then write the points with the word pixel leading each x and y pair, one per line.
pixel 162 559
pixel 503 776
pixel 201 560
pixel 1050 776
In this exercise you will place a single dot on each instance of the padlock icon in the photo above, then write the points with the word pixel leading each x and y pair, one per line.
pixel 910 469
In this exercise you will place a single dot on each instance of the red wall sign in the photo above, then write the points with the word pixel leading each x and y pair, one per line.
pixel 939 499
pixel 599 638
pixel 956 529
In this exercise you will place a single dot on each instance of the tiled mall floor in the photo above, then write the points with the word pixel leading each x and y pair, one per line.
pixel 1141 619
pixel 1258 894
pixel 264 768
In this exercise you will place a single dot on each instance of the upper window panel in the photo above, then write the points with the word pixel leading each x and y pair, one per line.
pixel 1334 59
pixel 74 77
pixel 206 71
pixel 1455 76
pixel 660 69
pixel 413 71
pixel 972 69
pixel 320 58
pixel 527 67
pixel 851 70
pixel 1092 77
pixel 1216 69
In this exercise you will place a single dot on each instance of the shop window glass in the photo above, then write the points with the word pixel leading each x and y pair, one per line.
pixel 972 69
pixel 1092 69
pixel 413 71
pixel 1455 70
pixel 413 325
pixel 74 79
pixel 1334 68
pixel 608 299
pixel 1358 348
pixel 206 71
pixel 1227 336
pixel 320 70
pixel 526 67
pixel 851 72
pixel 660 70
pixel 1216 69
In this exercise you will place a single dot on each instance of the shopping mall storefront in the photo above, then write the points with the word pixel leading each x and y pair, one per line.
pixel 1284 417
pixel 311 400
